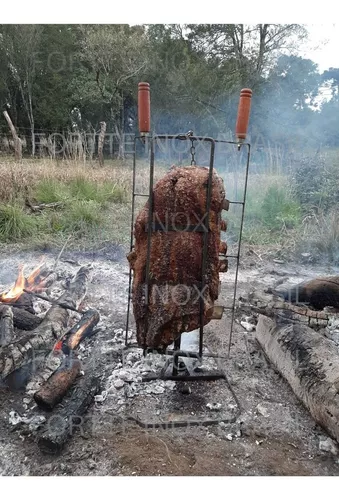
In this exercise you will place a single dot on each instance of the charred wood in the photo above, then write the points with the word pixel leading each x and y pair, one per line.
pixel 6 325
pixel 66 420
pixel 318 293
pixel 82 329
pixel 22 319
pixel 57 385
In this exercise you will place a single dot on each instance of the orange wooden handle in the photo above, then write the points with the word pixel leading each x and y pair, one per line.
pixel 243 117
pixel 144 108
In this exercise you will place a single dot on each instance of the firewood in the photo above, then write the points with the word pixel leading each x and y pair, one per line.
pixel 15 355
pixel 172 304
pixel 67 419
pixel 82 329
pixel 318 293
pixel 310 364
pixel 22 319
pixel 6 325
pixel 57 385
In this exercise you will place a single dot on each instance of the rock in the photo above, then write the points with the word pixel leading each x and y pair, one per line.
pixel 214 406
pixel 91 464
pixel 100 398
pixel 328 445
pixel 229 437
pixel 118 383
pixel 262 410
pixel 248 326
pixel 14 418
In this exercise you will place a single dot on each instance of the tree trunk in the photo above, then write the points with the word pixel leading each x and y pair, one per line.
pixel 310 364
pixel 16 139
pixel 101 143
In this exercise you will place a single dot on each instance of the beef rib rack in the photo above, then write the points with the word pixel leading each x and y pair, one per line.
pixel 172 304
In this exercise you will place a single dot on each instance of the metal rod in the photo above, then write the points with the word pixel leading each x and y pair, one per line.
pixel 239 248
pixel 205 242
pixel 131 245
pixel 149 232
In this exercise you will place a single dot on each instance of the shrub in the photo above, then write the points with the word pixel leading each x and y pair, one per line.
pixel 15 224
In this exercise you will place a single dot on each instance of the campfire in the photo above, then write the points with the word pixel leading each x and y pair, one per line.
pixel 40 350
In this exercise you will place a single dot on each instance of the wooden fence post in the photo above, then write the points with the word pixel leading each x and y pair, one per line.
pixel 16 138
pixel 101 143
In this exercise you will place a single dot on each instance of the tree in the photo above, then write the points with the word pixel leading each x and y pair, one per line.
pixel 113 58
pixel 252 47
pixel 20 45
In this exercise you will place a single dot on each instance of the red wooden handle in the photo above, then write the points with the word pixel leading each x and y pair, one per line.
pixel 144 108
pixel 243 117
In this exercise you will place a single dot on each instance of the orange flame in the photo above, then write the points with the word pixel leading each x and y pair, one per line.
pixel 14 293
pixel 22 283
pixel 30 281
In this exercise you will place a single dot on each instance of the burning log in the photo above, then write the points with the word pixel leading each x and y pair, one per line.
pixel 310 364
pixel 179 202
pixel 57 385
pixel 6 325
pixel 64 421
pixel 81 330
pixel 18 296
pixel 15 355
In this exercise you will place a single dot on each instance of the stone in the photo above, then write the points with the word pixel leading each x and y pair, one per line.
pixel 262 410
pixel 118 383
pixel 214 406
pixel 328 445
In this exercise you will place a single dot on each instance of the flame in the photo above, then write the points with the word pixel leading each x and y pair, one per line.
pixel 14 293
pixel 30 281
pixel 22 283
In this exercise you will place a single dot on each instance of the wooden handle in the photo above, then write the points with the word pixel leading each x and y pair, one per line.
pixel 243 116
pixel 144 108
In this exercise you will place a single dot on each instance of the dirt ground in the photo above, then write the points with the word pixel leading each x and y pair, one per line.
pixel 274 434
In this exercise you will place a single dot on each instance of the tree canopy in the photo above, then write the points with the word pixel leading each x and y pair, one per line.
pixel 57 77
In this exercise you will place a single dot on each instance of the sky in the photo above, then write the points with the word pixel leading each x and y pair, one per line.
pixel 322 46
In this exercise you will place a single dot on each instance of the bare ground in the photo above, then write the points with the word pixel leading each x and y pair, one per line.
pixel 278 437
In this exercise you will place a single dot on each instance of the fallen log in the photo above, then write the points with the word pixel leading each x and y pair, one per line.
pixel 57 385
pixel 15 355
pixel 22 319
pixel 319 293
pixel 65 420
pixel 310 364
pixel 6 325
pixel 82 329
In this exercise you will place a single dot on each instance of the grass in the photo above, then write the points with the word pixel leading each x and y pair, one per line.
pixel 15 224
pixel 95 207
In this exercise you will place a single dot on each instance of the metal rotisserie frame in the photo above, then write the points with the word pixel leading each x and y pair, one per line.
pixel 179 371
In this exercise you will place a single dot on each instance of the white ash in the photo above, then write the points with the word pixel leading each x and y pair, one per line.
pixel 33 423
pixel 125 382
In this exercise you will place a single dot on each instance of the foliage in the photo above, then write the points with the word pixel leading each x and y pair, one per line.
pixel 316 183
pixel 15 224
